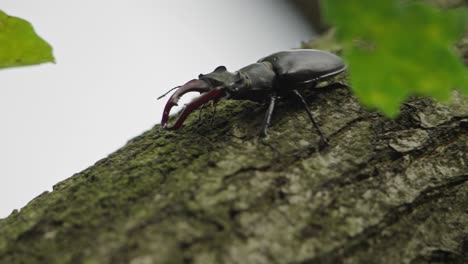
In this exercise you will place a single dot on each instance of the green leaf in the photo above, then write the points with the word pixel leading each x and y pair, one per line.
pixel 398 48
pixel 20 45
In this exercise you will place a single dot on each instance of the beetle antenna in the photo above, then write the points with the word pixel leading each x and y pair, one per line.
pixel 167 92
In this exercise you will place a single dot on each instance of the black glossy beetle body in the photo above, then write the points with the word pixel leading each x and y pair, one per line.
pixel 279 75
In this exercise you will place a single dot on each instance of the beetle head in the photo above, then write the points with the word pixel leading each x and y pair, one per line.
pixel 221 77
pixel 212 86
pixel 234 84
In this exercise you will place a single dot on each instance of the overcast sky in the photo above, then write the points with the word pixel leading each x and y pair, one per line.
pixel 114 57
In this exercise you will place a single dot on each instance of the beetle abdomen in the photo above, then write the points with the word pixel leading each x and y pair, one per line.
pixel 303 66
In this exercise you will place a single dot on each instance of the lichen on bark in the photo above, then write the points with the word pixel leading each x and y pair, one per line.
pixel 384 191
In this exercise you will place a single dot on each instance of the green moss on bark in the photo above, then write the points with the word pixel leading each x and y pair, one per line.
pixel 384 191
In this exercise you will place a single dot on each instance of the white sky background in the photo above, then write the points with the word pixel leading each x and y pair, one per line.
pixel 114 58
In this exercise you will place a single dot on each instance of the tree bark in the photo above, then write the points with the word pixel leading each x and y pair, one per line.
pixel 383 191
pixel 310 9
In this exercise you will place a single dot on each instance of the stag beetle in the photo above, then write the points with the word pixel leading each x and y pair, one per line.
pixel 283 74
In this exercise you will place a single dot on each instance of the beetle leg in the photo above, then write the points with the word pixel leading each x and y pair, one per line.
pixel 214 114
pixel 342 83
pixel 311 117
pixel 199 114
pixel 268 115
pixel 338 84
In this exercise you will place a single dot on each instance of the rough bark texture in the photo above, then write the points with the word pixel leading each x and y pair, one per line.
pixel 384 191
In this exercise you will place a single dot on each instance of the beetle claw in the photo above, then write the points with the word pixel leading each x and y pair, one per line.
pixel 208 94
pixel 213 95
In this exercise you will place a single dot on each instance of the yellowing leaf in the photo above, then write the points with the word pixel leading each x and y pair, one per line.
pixel 20 45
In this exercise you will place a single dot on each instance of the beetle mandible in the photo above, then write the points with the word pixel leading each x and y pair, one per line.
pixel 283 74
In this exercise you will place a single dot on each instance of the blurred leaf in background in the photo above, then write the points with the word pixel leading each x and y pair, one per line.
pixel 399 48
pixel 20 45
